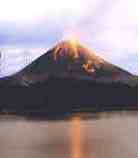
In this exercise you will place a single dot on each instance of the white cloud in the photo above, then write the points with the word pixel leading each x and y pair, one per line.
pixel 23 10
pixel 13 59
pixel 110 27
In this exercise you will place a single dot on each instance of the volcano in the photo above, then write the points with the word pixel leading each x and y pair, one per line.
pixel 69 76
pixel 69 59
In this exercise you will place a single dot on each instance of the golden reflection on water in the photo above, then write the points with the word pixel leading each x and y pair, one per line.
pixel 104 136
pixel 76 135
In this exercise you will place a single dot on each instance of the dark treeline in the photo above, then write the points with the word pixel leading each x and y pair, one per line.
pixel 56 95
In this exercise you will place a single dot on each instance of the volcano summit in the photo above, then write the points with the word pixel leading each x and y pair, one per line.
pixel 69 59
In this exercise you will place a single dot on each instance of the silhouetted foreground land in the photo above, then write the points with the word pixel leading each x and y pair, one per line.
pixel 60 95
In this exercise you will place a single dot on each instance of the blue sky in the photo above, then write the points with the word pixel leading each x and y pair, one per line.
pixel 109 27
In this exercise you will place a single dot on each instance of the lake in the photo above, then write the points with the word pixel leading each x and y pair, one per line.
pixel 102 135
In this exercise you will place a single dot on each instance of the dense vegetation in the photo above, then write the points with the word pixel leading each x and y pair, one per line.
pixel 57 95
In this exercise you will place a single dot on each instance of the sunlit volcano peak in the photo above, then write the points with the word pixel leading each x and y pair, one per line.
pixel 70 59
pixel 74 41
pixel 72 48
pixel 67 47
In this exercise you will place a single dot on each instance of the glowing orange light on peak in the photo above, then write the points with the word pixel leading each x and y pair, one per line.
pixel 73 44
pixel 74 49
pixel 69 46
pixel 74 41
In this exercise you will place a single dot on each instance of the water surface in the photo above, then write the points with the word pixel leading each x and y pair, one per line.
pixel 112 135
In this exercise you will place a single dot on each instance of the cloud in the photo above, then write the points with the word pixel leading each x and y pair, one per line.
pixel 109 27
pixel 28 11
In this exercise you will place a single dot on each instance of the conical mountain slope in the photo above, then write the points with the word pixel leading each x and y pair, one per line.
pixel 69 59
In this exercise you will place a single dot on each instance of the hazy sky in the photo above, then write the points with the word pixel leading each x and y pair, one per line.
pixel 29 27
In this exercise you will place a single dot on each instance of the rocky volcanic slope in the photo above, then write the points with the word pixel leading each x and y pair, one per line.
pixel 69 59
